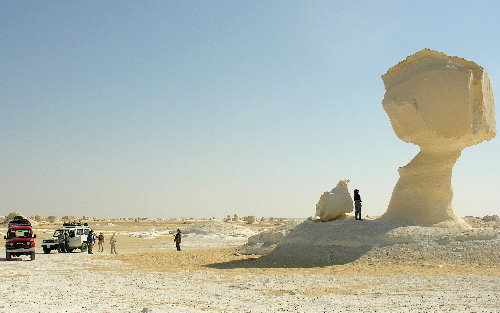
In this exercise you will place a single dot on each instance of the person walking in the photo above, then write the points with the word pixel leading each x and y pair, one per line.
pixel 112 243
pixel 90 241
pixel 60 239
pixel 100 243
pixel 357 205
pixel 177 240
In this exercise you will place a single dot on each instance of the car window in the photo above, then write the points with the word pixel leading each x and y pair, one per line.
pixel 86 231
pixel 19 233
pixel 79 231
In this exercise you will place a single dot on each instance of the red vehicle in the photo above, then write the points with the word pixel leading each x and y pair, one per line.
pixel 20 239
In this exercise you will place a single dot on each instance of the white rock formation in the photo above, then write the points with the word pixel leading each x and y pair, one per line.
pixel 442 104
pixel 70 218
pixel 52 219
pixel 11 215
pixel 38 218
pixel 265 242
pixel 335 203
pixel 249 219
pixel 490 218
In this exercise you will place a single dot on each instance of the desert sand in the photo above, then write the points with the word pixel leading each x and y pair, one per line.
pixel 422 269
pixel 418 257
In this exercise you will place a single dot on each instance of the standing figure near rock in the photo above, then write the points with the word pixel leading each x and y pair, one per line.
pixel 357 205
pixel 177 240
pixel 90 241
pixel 100 243
pixel 112 243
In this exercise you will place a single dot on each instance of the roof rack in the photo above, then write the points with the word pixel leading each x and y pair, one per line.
pixel 19 221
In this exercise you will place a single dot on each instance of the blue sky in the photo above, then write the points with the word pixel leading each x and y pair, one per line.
pixel 209 108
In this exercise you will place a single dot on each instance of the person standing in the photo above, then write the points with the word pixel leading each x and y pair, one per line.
pixel 66 241
pixel 62 246
pixel 357 205
pixel 90 241
pixel 100 243
pixel 112 243
pixel 177 240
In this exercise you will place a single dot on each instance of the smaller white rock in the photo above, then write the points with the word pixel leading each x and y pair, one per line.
pixel 335 203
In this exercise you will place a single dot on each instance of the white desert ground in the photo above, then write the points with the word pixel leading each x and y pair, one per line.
pixel 279 265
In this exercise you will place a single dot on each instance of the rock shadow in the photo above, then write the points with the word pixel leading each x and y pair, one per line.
pixel 316 244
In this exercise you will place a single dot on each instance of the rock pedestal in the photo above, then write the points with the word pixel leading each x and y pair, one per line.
pixel 442 104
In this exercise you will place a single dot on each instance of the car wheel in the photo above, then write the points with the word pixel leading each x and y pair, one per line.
pixel 46 250
pixel 8 256
pixel 83 247
pixel 70 250
pixel 32 256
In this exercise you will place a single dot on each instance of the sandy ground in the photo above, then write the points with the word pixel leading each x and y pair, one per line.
pixel 210 275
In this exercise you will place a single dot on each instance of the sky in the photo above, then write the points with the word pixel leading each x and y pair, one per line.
pixel 209 108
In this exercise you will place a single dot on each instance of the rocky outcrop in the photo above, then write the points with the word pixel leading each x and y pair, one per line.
pixel 11 215
pixel 52 219
pixel 442 104
pixel 38 218
pixel 336 203
pixel 249 219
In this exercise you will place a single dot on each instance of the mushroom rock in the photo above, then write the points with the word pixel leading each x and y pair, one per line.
pixel 336 203
pixel 442 104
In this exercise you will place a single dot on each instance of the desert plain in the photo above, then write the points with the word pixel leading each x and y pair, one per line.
pixel 288 265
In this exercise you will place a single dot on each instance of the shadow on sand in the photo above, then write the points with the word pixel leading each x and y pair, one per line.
pixel 316 244
pixel 15 259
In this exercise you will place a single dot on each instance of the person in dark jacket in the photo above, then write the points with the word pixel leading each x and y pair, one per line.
pixel 61 240
pixel 66 241
pixel 90 241
pixel 357 205
pixel 177 240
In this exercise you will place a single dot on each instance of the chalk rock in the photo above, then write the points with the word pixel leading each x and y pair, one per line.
pixel 265 242
pixel 38 218
pixel 69 218
pixel 335 203
pixel 490 218
pixel 249 219
pixel 52 219
pixel 269 237
pixel 442 104
pixel 11 215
